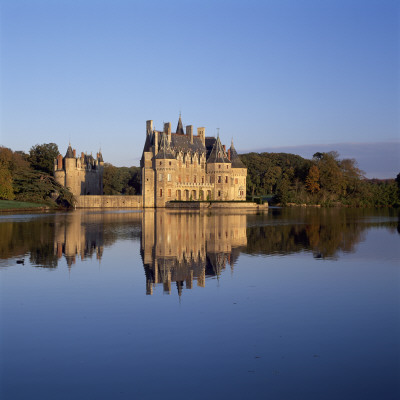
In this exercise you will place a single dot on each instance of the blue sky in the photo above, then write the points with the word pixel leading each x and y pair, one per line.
pixel 270 74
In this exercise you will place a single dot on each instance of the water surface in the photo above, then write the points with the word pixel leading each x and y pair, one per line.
pixel 289 304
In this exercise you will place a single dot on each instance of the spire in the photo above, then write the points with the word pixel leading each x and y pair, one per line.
pixel 70 152
pixel 235 159
pixel 217 154
pixel 100 156
pixel 179 128
pixel 164 148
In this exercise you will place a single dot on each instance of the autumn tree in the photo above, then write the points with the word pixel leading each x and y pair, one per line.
pixel 312 180
pixel 6 184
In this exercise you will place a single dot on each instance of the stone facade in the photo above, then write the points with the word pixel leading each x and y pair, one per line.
pixel 81 175
pixel 183 166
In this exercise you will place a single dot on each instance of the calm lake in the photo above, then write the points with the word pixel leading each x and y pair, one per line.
pixel 285 304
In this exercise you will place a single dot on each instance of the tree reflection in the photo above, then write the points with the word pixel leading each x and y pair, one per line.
pixel 181 248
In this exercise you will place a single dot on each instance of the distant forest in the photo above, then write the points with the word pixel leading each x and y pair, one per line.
pixel 281 178
pixel 326 180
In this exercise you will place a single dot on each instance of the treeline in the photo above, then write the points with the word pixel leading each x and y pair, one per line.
pixel 29 177
pixel 326 180
pixel 121 180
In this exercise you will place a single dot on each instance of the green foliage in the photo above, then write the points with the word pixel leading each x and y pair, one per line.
pixel 28 184
pixel 6 184
pixel 326 180
pixel 121 180
pixel 41 157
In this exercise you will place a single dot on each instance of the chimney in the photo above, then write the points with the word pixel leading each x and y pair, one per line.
pixel 82 155
pixel 149 127
pixel 189 132
pixel 229 154
pixel 224 147
pixel 59 161
pixel 167 131
pixel 155 143
pixel 74 151
pixel 201 133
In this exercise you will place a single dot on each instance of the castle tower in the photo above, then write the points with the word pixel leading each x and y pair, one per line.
pixel 81 175
pixel 165 167
pixel 219 171
pixel 239 175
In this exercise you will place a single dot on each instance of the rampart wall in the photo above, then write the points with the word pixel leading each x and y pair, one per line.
pixel 109 201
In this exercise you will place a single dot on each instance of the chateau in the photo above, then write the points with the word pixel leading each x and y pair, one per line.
pixel 175 166
pixel 184 166
pixel 82 175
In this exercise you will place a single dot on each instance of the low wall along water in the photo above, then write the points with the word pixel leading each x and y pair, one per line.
pixel 108 201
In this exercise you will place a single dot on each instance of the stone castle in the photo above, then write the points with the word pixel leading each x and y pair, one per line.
pixel 82 175
pixel 175 166
pixel 183 166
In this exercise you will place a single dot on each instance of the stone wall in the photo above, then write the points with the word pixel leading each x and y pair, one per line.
pixel 217 205
pixel 108 201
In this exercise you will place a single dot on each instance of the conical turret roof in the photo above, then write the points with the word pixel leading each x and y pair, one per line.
pixel 70 152
pixel 217 154
pixel 165 151
pixel 179 128
pixel 235 159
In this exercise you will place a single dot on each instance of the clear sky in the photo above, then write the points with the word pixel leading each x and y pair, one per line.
pixel 270 74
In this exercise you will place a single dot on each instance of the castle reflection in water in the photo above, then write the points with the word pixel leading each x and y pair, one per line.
pixel 176 247
pixel 185 247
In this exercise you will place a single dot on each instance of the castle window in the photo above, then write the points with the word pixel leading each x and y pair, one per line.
pixel 160 177
pixel 219 193
pixel 195 179
pixel 227 166
pixel 160 192
pixel 202 179
pixel 169 177
pixel 219 180
pixel 226 179
pixel 170 163
pixel 160 162
pixel 219 166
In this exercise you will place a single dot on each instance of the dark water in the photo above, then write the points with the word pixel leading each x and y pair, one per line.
pixel 289 304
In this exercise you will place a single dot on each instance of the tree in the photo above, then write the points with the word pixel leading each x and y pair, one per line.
pixel 6 184
pixel 282 195
pixel 41 157
pixel 312 180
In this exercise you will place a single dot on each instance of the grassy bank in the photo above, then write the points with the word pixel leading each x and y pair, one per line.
pixel 19 205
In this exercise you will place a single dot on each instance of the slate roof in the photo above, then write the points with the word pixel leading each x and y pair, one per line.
pixel 181 142
pixel 209 141
pixel 69 153
pixel 164 151
pixel 217 154
pixel 179 128
pixel 235 159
